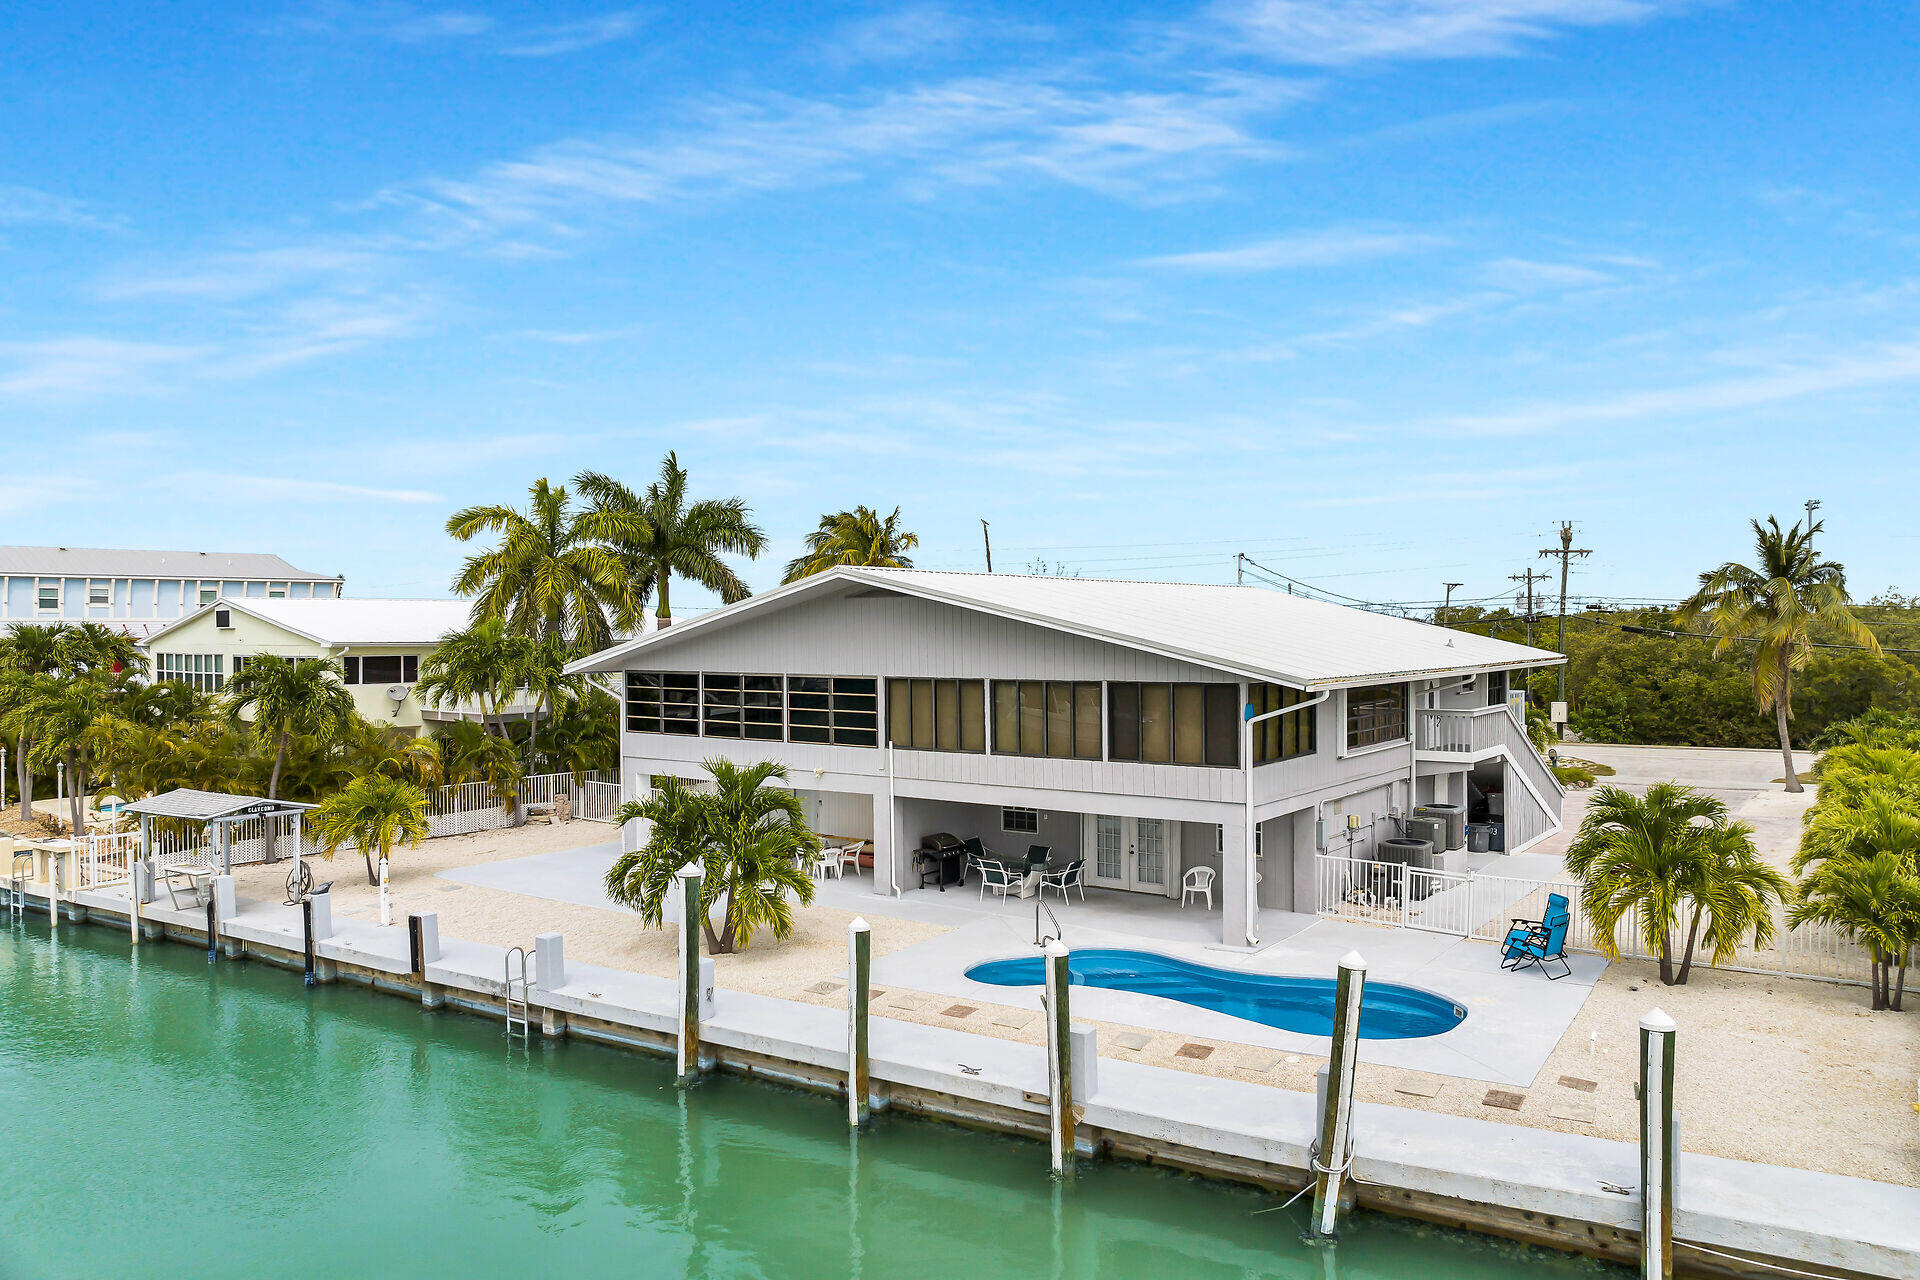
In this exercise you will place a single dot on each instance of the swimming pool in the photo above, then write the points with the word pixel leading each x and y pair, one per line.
pixel 1387 1011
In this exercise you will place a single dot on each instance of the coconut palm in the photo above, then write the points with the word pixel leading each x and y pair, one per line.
pixel 55 716
pixel 468 753
pixel 94 648
pixel 1776 604
pixel 583 735
pixel 673 536
pixel 366 746
pixel 857 537
pixel 1876 902
pixel 750 839
pixel 287 698
pixel 481 664
pixel 27 651
pixel 553 572
pixel 1653 857
pixel 376 813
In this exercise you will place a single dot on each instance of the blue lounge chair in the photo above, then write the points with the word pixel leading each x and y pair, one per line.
pixel 1540 942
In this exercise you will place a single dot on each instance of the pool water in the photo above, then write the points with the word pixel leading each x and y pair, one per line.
pixel 163 1117
pixel 1387 1011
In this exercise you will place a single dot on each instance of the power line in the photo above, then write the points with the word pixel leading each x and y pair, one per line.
pixel 1566 551
pixel 1707 635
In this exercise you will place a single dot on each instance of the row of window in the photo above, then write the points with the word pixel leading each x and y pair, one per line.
pixel 838 710
pixel 204 671
pixel 377 669
pixel 48 595
pixel 1154 723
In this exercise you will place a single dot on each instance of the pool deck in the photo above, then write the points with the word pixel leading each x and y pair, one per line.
pixel 1555 1182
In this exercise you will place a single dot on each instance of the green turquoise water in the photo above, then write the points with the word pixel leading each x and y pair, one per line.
pixel 163 1117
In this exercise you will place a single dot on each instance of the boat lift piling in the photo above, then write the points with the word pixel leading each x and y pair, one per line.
pixel 859 998
pixel 1333 1151
pixel 1659 1145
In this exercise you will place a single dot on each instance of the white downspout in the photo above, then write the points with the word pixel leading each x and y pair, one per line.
pixel 1252 864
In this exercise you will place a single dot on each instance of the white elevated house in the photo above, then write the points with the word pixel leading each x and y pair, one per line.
pixel 141 591
pixel 380 645
pixel 1101 719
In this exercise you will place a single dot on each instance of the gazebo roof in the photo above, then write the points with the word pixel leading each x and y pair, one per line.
pixel 209 806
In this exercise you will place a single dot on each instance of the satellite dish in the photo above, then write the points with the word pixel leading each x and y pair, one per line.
pixel 398 692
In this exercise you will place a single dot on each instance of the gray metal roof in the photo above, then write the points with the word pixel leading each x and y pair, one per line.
pixel 1252 631
pixel 107 562
pixel 204 806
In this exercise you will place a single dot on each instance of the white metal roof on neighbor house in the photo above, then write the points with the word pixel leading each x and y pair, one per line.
pixel 108 562
pixel 352 622
pixel 1252 631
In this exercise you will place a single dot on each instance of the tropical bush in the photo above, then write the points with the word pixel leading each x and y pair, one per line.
pixel 750 839
pixel 1675 861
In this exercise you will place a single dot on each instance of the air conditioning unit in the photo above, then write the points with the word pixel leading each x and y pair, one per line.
pixel 1433 830
pixel 1454 817
pixel 1401 852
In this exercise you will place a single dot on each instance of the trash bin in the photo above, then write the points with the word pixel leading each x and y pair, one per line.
pixel 1479 837
pixel 1498 842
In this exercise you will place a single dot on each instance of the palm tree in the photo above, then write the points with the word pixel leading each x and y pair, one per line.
pixel 92 647
pixel 1654 856
pixel 26 652
pixel 307 697
pixel 554 572
pixel 672 537
pixel 55 716
pixel 468 753
pixel 751 840
pixel 1875 901
pixel 367 746
pixel 584 734
pixel 376 813
pixel 856 537
pixel 481 664
pixel 1776 604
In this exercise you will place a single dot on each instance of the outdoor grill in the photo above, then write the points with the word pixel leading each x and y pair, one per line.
pixel 941 859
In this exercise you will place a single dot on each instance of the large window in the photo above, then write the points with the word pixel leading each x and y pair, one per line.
pixel 1046 718
pixel 378 669
pixel 663 702
pixel 1282 737
pixel 844 710
pixel 743 707
pixel 204 671
pixel 1176 723
pixel 937 715
pixel 1376 714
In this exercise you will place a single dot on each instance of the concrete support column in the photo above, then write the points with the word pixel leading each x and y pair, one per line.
pixel 1237 905
pixel 1305 874
pixel 549 975
pixel 226 907
pixel 886 873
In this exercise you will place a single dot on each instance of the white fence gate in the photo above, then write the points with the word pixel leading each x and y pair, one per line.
pixel 1483 907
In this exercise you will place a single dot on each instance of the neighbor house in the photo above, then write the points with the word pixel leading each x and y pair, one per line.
pixel 1101 719
pixel 141 591
pixel 380 645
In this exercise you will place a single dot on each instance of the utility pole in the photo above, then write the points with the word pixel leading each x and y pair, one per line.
pixel 1447 608
pixel 1812 505
pixel 1530 577
pixel 1566 551
pixel 1239 568
pixel 987 538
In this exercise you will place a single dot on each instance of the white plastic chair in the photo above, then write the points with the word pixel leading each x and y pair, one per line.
pixel 850 858
pixel 1197 881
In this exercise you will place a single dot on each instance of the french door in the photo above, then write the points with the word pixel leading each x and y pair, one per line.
pixel 1131 853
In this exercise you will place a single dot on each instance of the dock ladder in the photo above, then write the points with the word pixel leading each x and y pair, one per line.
pixel 518 1020
pixel 17 886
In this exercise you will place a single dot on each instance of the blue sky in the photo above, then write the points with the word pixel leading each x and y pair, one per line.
pixel 1377 291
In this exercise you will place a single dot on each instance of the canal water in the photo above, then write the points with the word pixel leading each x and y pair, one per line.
pixel 163 1117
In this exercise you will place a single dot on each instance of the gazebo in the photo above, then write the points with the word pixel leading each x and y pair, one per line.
pixel 198 825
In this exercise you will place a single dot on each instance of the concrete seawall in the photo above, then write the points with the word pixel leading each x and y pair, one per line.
pixel 1525 1184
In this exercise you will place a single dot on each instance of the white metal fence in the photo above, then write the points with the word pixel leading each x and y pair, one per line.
pixel 101 860
pixel 596 801
pixel 1483 907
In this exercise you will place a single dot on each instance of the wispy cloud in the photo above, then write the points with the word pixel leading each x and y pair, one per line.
pixel 1324 247
pixel 85 366
pixel 396 22
pixel 571 37
pixel 20 206
pixel 1877 365
pixel 905 33
pixel 243 273
pixel 965 132
pixel 1523 275
pixel 1344 32
pixel 244 488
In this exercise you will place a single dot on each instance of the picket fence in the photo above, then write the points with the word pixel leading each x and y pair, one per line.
pixel 1479 906
pixel 105 859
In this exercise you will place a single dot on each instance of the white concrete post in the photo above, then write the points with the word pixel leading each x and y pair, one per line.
pixel 322 916
pixel 1657 1145
pixel 1086 1061
pixel 692 911
pixel 1059 1056
pixel 1334 1150
pixel 859 994
pixel 549 962
pixel 386 902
